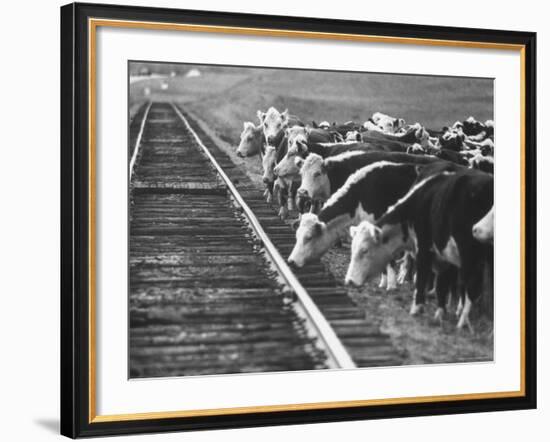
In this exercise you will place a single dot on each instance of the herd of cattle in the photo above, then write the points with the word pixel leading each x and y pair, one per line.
pixel 419 198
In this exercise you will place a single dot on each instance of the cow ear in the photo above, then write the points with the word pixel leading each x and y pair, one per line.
pixel 352 231
pixel 302 147
pixel 284 115
pixel 261 116
pixel 314 124
pixel 299 161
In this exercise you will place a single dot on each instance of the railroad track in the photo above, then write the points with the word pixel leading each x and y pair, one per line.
pixel 210 291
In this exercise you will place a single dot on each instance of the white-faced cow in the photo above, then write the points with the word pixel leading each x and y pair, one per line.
pixel 290 168
pixel 274 124
pixel 360 198
pixel 387 123
pixel 252 140
pixel 320 178
pixel 435 219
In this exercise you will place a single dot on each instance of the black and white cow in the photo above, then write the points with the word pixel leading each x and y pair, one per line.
pixel 386 123
pixel 435 219
pixel 301 134
pixel 476 130
pixel 289 167
pixel 360 198
pixel 288 171
pixel 277 186
pixel 320 178
pixel 274 123
pixel 399 142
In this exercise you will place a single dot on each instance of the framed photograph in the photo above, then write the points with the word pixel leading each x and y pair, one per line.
pixel 279 220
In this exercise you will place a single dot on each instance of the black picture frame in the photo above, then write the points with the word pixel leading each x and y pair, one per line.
pixel 75 247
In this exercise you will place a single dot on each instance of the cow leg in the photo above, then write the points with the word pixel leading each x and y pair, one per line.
pixel 423 270
pixel 444 279
pixel 391 277
pixel 282 201
pixel 403 269
pixel 465 315
pixel 406 268
pixel 292 195
pixel 459 304
pixel 473 277
pixel 383 280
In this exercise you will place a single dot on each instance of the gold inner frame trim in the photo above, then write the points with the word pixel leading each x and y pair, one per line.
pixel 93 24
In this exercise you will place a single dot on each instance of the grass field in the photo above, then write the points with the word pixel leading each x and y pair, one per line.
pixel 224 98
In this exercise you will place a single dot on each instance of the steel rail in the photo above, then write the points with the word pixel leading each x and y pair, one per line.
pixel 138 140
pixel 337 355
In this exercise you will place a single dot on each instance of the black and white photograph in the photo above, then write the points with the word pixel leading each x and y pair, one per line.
pixel 290 219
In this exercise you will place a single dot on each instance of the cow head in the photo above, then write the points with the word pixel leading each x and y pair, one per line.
pixel 251 140
pixel 472 126
pixel 386 125
pixel 273 123
pixel 315 183
pixel 288 167
pixel 312 241
pixel 416 149
pixel 453 139
pixel 372 248
pixel 353 135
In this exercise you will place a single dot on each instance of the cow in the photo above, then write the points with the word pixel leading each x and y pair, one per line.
pixel 344 128
pixel 472 127
pixel 320 177
pixel 307 134
pixel 272 155
pixel 274 123
pixel 483 230
pixel 275 186
pixel 453 139
pixel 415 133
pixel 252 140
pixel 483 163
pixel 371 126
pixel 358 199
pixel 487 145
pixel 289 167
pixel 387 123
pixel 435 219
pixel 416 149
pixel 353 135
